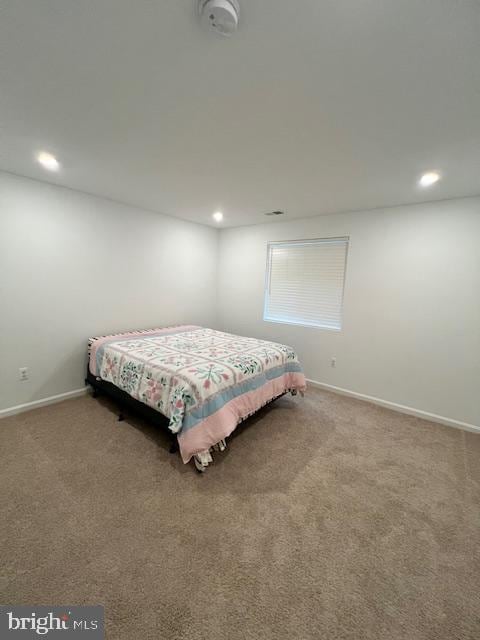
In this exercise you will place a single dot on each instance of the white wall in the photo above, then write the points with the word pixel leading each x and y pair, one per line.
pixel 73 265
pixel 411 330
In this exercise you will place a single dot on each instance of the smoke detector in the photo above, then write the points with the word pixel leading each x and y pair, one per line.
pixel 220 16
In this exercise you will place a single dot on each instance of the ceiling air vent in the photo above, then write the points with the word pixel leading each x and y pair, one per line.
pixel 275 213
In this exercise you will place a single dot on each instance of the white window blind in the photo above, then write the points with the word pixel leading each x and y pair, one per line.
pixel 305 280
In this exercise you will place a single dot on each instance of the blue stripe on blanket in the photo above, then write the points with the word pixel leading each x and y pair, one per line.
pixel 194 416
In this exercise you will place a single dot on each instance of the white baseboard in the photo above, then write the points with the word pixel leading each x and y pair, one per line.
pixel 432 417
pixel 28 406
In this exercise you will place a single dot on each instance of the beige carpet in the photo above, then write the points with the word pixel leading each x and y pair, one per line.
pixel 327 518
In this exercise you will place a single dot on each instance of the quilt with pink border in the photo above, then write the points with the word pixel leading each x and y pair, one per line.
pixel 204 381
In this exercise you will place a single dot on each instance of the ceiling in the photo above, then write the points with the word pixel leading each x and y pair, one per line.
pixel 312 107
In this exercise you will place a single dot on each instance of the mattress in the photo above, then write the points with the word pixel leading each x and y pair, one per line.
pixel 204 381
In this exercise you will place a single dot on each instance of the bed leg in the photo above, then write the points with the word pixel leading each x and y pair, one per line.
pixel 174 446
pixel 121 417
pixel 95 393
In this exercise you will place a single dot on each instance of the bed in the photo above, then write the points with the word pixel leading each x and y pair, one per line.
pixel 199 381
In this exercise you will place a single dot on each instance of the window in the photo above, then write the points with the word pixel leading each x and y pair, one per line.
pixel 304 283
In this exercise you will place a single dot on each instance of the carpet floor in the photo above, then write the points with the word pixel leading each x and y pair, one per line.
pixel 326 518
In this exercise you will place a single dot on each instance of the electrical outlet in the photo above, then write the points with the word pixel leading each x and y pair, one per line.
pixel 23 371
pixel 333 362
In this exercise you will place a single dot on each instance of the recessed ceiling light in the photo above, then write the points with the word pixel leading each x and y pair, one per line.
pixel 218 216
pixel 429 178
pixel 48 161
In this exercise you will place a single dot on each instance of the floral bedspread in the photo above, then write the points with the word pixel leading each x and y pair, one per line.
pixel 196 376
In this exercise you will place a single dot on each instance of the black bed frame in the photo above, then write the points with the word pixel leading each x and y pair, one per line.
pixel 126 402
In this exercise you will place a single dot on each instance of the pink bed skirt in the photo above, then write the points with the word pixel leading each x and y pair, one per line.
pixel 219 425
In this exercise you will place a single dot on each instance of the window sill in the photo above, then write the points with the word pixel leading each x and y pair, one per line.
pixel 304 324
